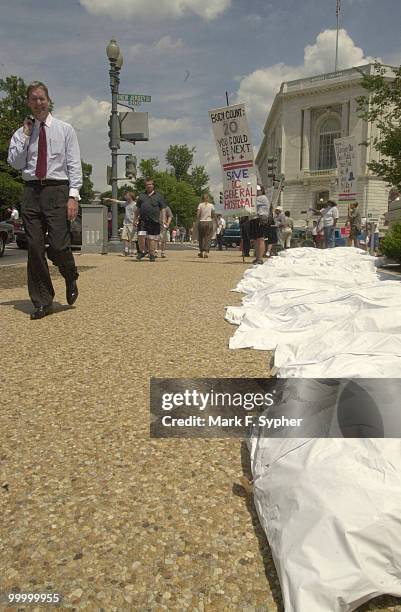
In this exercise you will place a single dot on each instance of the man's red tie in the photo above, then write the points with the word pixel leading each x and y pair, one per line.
pixel 41 164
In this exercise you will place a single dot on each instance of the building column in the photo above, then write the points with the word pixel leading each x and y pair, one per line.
pixel 306 140
pixel 344 119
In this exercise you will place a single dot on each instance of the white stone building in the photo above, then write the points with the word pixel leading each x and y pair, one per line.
pixel 305 118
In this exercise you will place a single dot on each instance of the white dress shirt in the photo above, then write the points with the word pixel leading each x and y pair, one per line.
pixel 63 155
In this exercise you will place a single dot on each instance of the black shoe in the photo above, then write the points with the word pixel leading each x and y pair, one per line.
pixel 140 256
pixel 71 291
pixel 40 312
pixel 152 258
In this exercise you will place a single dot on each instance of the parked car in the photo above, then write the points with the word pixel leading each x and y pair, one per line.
pixel 232 234
pixel 6 235
pixel 76 234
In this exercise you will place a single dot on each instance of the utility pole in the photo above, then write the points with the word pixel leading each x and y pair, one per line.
pixel 338 7
pixel 116 60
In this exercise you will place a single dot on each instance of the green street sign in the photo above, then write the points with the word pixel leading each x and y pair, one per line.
pixel 134 99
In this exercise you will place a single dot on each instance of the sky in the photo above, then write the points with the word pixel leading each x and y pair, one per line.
pixel 185 54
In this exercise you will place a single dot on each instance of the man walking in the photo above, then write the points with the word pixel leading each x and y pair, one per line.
pixel 221 226
pixel 128 234
pixel 149 207
pixel 47 151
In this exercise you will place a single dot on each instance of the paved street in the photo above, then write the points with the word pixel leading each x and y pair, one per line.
pixel 92 508
pixel 13 255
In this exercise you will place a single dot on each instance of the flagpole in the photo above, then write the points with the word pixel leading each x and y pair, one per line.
pixel 338 4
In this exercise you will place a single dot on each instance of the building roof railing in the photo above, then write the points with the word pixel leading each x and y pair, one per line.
pixel 328 76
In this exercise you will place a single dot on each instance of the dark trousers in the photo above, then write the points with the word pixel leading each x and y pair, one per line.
pixel 220 241
pixel 44 209
pixel 205 231
pixel 245 235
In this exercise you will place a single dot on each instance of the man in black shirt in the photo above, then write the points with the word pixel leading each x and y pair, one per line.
pixel 149 207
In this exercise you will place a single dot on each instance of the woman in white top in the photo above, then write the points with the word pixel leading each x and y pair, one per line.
pixel 205 216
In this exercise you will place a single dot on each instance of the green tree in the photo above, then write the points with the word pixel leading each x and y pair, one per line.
pixel 199 180
pixel 391 243
pixel 13 111
pixel 86 191
pixel 148 167
pixel 179 195
pixel 382 107
pixel 180 158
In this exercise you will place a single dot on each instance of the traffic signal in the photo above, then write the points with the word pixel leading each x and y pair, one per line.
pixel 271 167
pixel 130 166
pixel 114 131
pixel 221 198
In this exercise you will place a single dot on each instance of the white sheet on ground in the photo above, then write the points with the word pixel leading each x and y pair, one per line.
pixel 331 508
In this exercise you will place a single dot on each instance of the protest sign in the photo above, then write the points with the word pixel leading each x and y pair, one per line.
pixel 347 167
pixel 234 146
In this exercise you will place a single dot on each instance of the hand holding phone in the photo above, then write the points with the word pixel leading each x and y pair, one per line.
pixel 28 125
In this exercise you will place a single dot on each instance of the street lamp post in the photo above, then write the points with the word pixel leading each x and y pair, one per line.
pixel 116 61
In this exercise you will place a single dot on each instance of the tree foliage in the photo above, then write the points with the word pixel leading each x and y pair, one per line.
pixel 86 191
pixel 180 158
pixel 382 107
pixel 390 245
pixel 179 195
pixel 148 167
pixel 199 180
pixel 13 111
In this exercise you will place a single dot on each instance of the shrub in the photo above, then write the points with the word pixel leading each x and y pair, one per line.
pixel 391 243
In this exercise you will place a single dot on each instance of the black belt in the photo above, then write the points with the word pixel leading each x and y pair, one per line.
pixel 46 183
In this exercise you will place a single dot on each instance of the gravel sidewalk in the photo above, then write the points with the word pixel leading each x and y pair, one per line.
pixel 91 507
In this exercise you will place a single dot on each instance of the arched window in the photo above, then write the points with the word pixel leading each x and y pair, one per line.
pixel 329 130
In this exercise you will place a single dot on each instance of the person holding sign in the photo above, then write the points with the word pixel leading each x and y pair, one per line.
pixel 264 228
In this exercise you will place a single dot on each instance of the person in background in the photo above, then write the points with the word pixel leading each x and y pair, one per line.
pixel 128 233
pixel 183 231
pixel 318 234
pixel 150 210
pixel 355 223
pixel 173 234
pixel 363 235
pixel 164 231
pixel 329 217
pixel 286 230
pixel 372 237
pixel 262 229
pixel 245 228
pixel 221 226
pixel 205 217
pixel 14 214
pixel 279 222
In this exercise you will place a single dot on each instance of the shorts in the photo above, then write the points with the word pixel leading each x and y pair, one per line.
pixel 150 228
pixel 163 234
pixel 128 232
pixel 259 229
